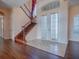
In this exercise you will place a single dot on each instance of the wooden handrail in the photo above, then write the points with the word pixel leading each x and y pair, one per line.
pixel 25 25
pixel 1 13
pixel 25 12
pixel 25 29
pixel 27 8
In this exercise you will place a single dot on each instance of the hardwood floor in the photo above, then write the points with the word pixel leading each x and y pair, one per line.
pixel 11 50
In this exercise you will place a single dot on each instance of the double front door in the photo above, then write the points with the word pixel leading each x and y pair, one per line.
pixel 48 26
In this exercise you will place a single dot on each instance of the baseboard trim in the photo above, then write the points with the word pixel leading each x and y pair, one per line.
pixel 7 38
pixel 20 41
pixel 74 40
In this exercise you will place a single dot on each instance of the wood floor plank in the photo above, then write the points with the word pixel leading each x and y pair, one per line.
pixel 12 50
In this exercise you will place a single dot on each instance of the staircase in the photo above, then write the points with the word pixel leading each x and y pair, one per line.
pixel 20 38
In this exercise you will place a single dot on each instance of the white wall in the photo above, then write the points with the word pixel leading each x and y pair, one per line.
pixel 19 19
pixel 73 11
pixel 63 22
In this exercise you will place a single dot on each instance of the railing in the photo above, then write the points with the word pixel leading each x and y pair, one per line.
pixel 30 16
pixel 30 12
pixel 25 12
pixel 27 8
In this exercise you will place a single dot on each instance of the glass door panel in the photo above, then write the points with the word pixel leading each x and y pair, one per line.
pixel 43 27
pixel 48 26
pixel 75 33
pixel 54 26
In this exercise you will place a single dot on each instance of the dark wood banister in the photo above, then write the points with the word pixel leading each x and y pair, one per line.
pixel 23 32
pixel 30 12
pixel 24 26
pixel 27 8
pixel 25 12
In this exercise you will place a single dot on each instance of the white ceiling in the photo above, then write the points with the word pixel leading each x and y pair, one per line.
pixel 12 3
pixel 15 3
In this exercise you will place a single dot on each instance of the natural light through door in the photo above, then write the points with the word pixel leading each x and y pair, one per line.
pixel 54 26
pixel 48 26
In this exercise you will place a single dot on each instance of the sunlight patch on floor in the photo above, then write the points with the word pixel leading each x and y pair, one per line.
pixel 48 46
